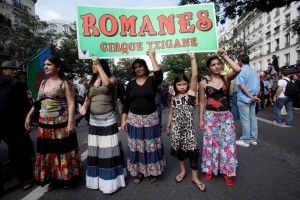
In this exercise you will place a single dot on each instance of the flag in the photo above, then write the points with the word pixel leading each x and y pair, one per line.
pixel 226 70
pixel 35 71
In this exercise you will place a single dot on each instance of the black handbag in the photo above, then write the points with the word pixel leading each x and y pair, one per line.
pixel 36 112
pixel 80 99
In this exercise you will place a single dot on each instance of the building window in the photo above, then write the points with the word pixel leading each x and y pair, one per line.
pixel 66 29
pixel 277 22
pixel 287 59
pixel 259 66
pixel 287 40
pixel 259 21
pixel 269 47
pixel 53 28
pixel 287 20
pixel 277 44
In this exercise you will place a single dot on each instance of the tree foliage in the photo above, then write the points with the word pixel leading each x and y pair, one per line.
pixel 24 38
pixel 123 70
pixel 229 9
pixel 180 63
pixel 68 52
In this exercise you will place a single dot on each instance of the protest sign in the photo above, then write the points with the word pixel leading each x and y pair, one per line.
pixel 130 32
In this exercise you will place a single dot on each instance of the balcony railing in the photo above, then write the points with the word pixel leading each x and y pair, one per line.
pixel 268 19
pixel 277 13
pixel 20 6
pixel 277 48
pixel 287 64
pixel 287 44
pixel 297 62
pixel 268 34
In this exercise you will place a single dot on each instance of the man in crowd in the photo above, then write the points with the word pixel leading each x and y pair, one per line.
pixel 297 97
pixel 248 88
pixel 14 106
pixel 233 99
pixel 10 68
pixel 267 91
pixel 82 91
pixel 281 100
pixel 164 94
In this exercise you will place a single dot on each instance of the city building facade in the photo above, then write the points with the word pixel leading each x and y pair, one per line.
pixel 267 34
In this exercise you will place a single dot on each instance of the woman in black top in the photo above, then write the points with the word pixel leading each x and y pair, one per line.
pixel 140 118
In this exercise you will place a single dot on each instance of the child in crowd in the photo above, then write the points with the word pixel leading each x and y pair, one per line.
pixel 183 142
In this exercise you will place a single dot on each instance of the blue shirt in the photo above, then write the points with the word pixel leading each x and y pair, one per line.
pixel 268 86
pixel 250 79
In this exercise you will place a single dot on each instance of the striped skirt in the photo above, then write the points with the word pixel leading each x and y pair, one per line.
pixel 58 156
pixel 145 145
pixel 105 163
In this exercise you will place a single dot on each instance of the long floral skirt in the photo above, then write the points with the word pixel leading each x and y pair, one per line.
pixel 106 169
pixel 219 148
pixel 145 145
pixel 58 156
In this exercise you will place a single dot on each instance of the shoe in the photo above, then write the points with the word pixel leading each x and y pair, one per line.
pixel 252 142
pixel 242 143
pixel 228 180
pixel 200 186
pixel 208 177
pixel 179 178
pixel 28 184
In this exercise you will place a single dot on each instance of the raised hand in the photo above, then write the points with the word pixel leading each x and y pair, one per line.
pixel 191 55
pixel 151 53
pixel 221 52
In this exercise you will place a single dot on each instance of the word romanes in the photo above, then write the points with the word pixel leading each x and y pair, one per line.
pixel 92 28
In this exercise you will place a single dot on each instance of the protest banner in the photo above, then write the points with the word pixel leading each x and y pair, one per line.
pixel 130 32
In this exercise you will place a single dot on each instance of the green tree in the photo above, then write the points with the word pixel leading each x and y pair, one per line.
pixel 68 52
pixel 230 9
pixel 24 38
pixel 123 70
pixel 180 63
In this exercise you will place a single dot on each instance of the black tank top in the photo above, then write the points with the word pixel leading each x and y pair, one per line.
pixel 216 98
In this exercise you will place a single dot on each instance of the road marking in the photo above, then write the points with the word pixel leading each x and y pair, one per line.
pixel 40 191
pixel 270 122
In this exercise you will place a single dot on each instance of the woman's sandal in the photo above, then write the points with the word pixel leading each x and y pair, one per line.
pixel 52 186
pixel 228 180
pixel 138 179
pixel 200 185
pixel 28 184
pixel 179 178
pixel 153 179
pixel 208 177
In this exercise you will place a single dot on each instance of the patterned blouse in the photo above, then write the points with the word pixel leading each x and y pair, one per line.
pixel 216 98
pixel 54 102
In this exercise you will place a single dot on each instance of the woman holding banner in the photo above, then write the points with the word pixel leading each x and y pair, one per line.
pixel 105 163
pixel 140 119
pixel 219 139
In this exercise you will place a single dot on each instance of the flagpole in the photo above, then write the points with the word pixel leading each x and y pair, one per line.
pixel 33 56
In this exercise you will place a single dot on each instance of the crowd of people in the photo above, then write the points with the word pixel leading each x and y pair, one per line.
pixel 222 99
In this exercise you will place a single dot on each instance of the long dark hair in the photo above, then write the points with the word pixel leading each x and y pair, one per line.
pixel 105 68
pixel 143 63
pixel 178 78
pixel 58 64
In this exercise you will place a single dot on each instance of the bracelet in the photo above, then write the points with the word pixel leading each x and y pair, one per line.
pixel 192 58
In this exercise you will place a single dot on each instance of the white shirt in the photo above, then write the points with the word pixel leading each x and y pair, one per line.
pixel 81 90
pixel 282 83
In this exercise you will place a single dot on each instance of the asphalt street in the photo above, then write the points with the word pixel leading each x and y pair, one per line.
pixel 269 170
